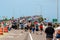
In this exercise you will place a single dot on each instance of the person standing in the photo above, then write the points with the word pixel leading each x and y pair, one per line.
pixel 49 32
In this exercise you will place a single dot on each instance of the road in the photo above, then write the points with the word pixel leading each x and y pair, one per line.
pixel 22 35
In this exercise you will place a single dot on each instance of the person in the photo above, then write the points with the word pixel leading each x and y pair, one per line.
pixel 14 26
pixel 36 24
pixel 49 32
pixel 33 28
pixel 41 28
pixel 10 26
pixel 22 25
pixel 37 28
pixel 25 27
pixel 4 24
pixel 18 23
pixel 57 32
pixel 29 25
pixel 0 24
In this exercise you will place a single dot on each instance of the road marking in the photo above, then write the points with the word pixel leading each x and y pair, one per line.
pixel 30 36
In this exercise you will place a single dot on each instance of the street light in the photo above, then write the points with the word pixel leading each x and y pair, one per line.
pixel 41 9
pixel 57 11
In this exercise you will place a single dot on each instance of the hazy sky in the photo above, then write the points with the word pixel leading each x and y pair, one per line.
pixel 19 8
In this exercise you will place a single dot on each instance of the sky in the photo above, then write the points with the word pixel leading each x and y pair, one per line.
pixel 17 8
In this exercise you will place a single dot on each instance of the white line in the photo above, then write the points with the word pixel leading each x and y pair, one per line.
pixel 30 36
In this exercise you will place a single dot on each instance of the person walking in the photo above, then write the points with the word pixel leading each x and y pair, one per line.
pixel 25 26
pixel 14 26
pixel 0 24
pixel 29 26
pixel 10 26
pixel 49 32
pixel 33 28
pixel 37 28
pixel 41 28
pixel 57 32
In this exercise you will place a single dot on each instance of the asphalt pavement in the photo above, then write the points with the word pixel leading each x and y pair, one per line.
pixel 23 35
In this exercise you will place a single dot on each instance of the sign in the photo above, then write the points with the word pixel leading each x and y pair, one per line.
pixel 55 20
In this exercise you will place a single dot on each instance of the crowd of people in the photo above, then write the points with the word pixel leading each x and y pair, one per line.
pixel 32 26
pixel 51 32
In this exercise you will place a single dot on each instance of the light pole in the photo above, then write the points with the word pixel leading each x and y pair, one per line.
pixel 57 11
pixel 41 9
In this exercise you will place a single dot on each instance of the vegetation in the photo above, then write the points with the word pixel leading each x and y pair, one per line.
pixel 41 19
